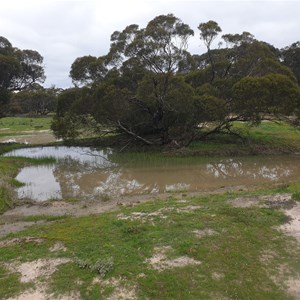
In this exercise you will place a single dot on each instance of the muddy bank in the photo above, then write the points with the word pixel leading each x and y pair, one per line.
pixel 12 220
pixel 36 137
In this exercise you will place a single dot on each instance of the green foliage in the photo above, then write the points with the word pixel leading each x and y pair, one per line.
pixel 152 90
pixel 272 94
pixel 291 58
pixel 87 70
pixel 5 199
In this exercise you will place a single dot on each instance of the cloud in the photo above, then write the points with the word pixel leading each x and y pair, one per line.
pixel 64 30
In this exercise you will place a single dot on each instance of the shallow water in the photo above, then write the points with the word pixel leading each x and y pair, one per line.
pixel 85 173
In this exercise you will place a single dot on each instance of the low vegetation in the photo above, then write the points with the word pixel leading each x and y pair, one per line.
pixel 9 167
pixel 186 247
pixel 179 247
pixel 11 126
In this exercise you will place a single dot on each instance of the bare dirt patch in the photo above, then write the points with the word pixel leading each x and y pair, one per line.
pixel 244 202
pixel 26 239
pixel 283 201
pixel 204 232
pixel 31 271
pixel 293 226
pixel 160 213
pixel 58 246
pixel 7 228
pixel 160 262
pixel 294 287
pixel 40 294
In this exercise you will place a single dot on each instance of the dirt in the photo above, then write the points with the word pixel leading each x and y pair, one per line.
pixel 244 202
pixel 160 262
pixel 31 137
pixel 33 270
pixel 293 226
pixel 7 228
pixel 58 246
pixel 40 294
pixel 160 213
pixel 21 240
pixel 294 287
pixel 204 232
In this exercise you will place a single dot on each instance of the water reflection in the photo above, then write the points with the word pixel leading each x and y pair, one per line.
pixel 89 173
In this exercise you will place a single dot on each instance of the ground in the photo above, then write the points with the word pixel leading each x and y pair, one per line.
pixel 232 245
pixel 238 243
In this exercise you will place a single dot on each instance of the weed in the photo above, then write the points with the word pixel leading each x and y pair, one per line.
pixel 101 266
pixel 296 196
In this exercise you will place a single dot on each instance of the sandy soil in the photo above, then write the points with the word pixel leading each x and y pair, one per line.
pixel 160 262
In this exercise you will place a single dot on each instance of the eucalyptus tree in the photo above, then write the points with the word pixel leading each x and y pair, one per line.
pixel 19 69
pixel 291 58
pixel 156 51
pixel 88 70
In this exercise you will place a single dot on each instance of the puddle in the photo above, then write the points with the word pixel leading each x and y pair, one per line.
pixel 86 173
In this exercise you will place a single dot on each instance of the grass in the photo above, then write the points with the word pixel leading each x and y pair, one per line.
pixel 232 264
pixel 243 259
pixel 9 167
pixel 268 137
pixel 11 126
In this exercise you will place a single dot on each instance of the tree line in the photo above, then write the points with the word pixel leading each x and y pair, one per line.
pixel 151 89
pixel 21 77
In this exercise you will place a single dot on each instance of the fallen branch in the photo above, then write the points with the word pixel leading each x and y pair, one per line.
pixel 133 134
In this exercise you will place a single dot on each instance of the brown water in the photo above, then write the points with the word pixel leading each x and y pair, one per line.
pixel 87 173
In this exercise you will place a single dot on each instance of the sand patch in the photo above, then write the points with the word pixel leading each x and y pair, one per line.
pixel 217 276
pixel 58 246
pixel 294 287
pixel 26 239
pixel 160 262
pixel 204 232
pixel 188 208
pixel 31 271
pixel 284 201
pixel 244 202
pixel 160 213
pixel 293 226
pixel 40 294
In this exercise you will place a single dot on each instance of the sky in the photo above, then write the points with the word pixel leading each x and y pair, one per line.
pixel 62 30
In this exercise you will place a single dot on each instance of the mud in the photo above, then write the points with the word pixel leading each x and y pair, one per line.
pixel 8 228
pixel 31 137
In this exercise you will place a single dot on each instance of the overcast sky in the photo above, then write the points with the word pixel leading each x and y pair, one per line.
pixel 61 30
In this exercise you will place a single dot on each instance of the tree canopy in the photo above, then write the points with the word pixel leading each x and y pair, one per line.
pixel 19 69
pixel 150 88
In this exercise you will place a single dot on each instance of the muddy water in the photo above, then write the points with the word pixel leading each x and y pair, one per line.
pixel 87 173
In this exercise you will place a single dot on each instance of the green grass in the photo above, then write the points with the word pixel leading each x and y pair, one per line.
pixel 268 137
pixel 120 249
pixel 11 126
pixel 9 167
pixel 275 133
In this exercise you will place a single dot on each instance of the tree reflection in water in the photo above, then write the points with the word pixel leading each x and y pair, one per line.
pixel 87 173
